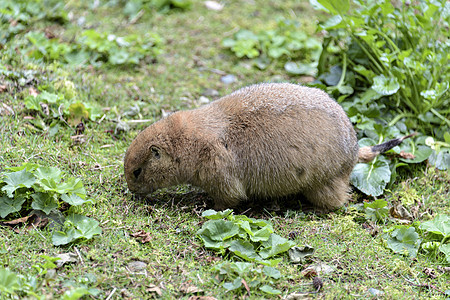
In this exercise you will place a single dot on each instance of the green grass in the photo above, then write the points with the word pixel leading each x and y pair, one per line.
pixel 174 256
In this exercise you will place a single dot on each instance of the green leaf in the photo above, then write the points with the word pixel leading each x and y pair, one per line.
pixel 331 6
pixel 63 237
pixel 421 153
pixel 439 225
pixel 87 227
pixel 300 254
pixel 269 290
pixel 404 240
pixel 30 167
pixel 244 249
pixel 44 201
pixel 8 282
pixel 10 205
pixel 385 86
pixel 76 293
pixel 241 268
pixel 213 215
pixel 262 234
pixel 275 245
pixel 272 272
pixel 376 210
pixel 440 159
pixel 74 200
pixel 230 286
pixel 446 250
pixel 373 177
pixel 218 230
pixel 48 173
pixel 16 180
pixel 300 68
pixel 72 185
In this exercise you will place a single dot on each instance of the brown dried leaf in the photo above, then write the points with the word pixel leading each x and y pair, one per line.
pixel 406 155
pixel 309 272
pixel 190 289
pixel 398 211
pixel 17 221
pixel 2 88
pixel 201 298
pixel 142 236
pixel 154 289
pixel 33 92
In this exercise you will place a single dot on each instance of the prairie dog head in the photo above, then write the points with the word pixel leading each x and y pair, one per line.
pixel 149 163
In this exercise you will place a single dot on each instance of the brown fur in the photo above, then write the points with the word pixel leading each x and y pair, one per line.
pixel 262 141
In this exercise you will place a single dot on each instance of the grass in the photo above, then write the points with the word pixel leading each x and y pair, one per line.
pixel 174 257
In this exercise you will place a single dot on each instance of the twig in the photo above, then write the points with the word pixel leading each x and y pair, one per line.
pixel 110 294
pixel 423 285
pixel 35 228
pixel 79 255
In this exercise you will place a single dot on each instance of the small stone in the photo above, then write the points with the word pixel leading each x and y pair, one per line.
pixel 213 5
pixel 136 266
pixel 227 79
pixel 375 292
pixel 210 93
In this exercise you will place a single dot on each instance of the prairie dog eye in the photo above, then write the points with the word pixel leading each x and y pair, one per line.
pixel 155 152
pixel 137 172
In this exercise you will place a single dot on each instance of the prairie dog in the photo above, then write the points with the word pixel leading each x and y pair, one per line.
pixel 263 141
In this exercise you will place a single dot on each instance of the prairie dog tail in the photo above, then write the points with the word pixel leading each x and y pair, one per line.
pixel 368 153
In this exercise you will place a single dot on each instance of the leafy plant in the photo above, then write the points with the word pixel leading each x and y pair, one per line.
pixel 31 186
pixel 432 239
pixel 286 43
pixel 238 276
pixel 95 48
pixel 133 7
pixel 17 15
pixel 398 52
pixel 250 239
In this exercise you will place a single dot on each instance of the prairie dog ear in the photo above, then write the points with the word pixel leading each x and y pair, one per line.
pixel 156 152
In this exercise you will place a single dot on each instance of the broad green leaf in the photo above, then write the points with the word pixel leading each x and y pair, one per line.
pixel 48 184
pixel 64 237
pixel 439 225
pixel 244 249
pixel 275 245
pixel 270 290
pixel 48 173
pixel 219 230
pixel 300 68
pixel 8 282
pixel 440 159
pixel 30 167
pixel 430 246
pixel 210 244
pixel 76 293
pixel 87 227
pixel 446 250
pixel 331 6
pixel 373 177
pixel 262 234
pixel 74 200
pixel 72 185
pixel 421 153
pixel 376 210
pixel 241 268
pixel 213 215
pixel 272 272
pixel 233 285
pixel 300 254
pixel 9 205
pixel 44 201
pixel 404 240
pixel 385 86
pixel 16 180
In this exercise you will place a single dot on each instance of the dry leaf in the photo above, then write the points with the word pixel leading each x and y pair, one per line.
pixel 17 221
pixel 142 236
pixel 6 110
pixel 66 258
pixel 406 155
pixel 2 87
pixel 430 272
pixel 33 92
pixel 202 298
pixel 190 289
pixel 398 211
pixel 154 289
